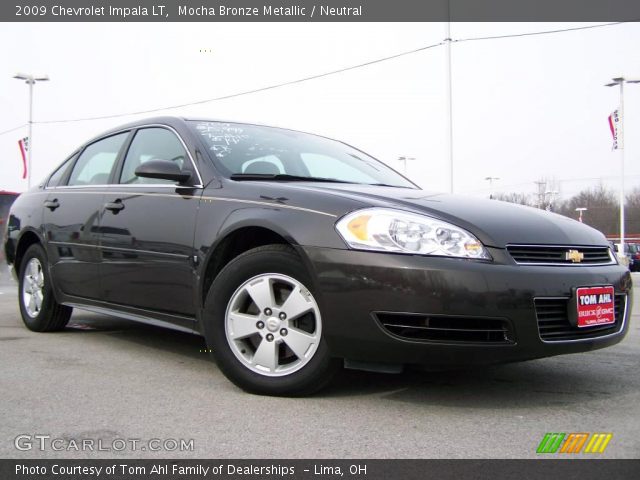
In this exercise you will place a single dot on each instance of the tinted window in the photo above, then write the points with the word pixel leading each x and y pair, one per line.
pixel 330 167
pixel 96 161
pixel 152 144
pixel 250 149
pixel 58 175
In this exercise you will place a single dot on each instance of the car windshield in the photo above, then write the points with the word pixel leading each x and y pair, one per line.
pixel 250 152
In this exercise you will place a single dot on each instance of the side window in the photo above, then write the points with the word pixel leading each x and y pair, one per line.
pixel 329 167
pixel 96 161
pixel 58 175
pixel 152 144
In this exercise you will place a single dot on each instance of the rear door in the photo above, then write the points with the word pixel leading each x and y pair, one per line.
pixel 72 216
pixel 147 229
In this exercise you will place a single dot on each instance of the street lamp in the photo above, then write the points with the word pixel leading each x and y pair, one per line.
pixel 31 81
pixel 404 161
pixel 621 81
pixel 580 210
pixel 490 180
pixel 552 196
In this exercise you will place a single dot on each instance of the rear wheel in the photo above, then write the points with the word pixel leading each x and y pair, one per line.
pixel 264 325
pixel 38 307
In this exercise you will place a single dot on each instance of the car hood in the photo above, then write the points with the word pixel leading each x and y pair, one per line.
pixel 495 223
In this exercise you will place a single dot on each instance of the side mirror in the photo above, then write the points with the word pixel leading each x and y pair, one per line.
pixel 162 170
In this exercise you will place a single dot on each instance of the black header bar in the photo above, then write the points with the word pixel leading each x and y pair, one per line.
pixel 319 11
pixel 128 469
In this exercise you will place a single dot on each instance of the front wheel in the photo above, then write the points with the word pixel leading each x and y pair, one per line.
pixel 264 325
pixel 38 307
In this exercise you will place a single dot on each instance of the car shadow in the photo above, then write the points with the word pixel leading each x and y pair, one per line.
pixel 558 381
pixel 536 383
pixel 151 336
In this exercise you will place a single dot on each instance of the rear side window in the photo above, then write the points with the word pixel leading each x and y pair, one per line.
pixel 58 176
pixel 152 144
pixel 97 160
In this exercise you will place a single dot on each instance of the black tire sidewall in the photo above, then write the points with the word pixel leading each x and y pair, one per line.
pixel 40 322
pixel 256 262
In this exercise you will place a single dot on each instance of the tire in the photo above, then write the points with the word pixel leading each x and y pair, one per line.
pixel 255 346
pixel 38 307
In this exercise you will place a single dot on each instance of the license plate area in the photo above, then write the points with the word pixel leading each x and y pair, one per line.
pixel 595 306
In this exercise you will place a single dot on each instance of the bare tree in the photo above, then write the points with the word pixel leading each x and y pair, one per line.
pixel 601 205
pixel 632 212
pixel 519 198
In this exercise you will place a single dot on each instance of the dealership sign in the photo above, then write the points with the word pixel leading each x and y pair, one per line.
pixel 595 306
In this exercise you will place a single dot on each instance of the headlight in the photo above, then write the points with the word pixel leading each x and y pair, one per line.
pixel 391 230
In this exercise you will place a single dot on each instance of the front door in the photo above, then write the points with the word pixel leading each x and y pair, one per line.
pixel 72 217
pixel 146 233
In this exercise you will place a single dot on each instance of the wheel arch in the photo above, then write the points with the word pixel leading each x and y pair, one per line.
pixel 233 242
pixel 26 239
pixel 243 229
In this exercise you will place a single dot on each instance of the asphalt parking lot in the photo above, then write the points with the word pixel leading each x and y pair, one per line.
pixel 104 378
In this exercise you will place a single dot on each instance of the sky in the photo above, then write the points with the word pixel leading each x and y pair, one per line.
pixel 524 108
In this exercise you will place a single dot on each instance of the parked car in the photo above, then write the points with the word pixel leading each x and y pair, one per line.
pixel 628 258
pixel 6 199
pixel 294 254
pixel 633 251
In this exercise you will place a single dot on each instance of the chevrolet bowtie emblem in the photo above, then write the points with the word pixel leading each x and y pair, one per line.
pixel 574 255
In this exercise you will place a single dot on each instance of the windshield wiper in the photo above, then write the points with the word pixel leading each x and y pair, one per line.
pixel 282 176
pixel 386 185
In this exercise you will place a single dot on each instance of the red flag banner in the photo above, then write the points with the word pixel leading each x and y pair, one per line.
pixel 614 126
pixel 23 143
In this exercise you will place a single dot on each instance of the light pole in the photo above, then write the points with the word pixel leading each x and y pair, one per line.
pixel 490 180
pixel 580 210
pixel 404 161
pixel 449 100
pixel 541 185
pixel 621 81
pixel 552 196
pixel 31 81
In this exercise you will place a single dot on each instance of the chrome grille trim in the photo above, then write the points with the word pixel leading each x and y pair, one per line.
pixel 554 255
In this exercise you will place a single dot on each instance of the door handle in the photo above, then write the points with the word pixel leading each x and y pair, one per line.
pixel 52 204
pixel 115 207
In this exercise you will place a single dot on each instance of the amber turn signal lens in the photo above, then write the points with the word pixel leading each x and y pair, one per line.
pixel 358 226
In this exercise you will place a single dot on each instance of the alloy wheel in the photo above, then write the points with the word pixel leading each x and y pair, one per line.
pixel 273 324
pixel 33 287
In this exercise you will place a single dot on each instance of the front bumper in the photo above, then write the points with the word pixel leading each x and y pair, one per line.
pixel 352 285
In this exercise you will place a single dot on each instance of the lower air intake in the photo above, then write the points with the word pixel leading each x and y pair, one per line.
pixel 444 328
pixel 554 324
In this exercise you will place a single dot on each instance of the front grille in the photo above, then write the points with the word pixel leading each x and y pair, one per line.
pixel 554 325
pixel 557 255
pixel 446 328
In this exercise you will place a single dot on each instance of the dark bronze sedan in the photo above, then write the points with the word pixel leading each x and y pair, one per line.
pixel 295 254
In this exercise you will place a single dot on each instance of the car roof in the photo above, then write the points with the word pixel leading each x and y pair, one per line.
pixel 163 120
pixel 172 120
